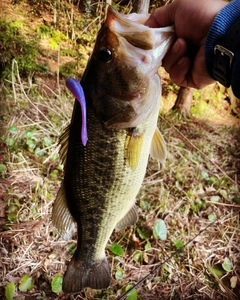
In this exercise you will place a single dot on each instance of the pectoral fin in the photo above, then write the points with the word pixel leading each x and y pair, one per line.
pixel 158 149
pixel 61 217
pixel 133 149
pixel 129 219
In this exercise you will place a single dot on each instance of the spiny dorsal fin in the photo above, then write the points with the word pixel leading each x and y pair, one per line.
pixel 133 149
pixel 63 141
pixel 129 219
pixel 61 217
pixel 158 149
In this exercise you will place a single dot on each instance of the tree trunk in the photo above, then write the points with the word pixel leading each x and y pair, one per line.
pixel 184 100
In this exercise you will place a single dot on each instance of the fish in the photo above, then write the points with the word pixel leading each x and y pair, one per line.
pixel 106 147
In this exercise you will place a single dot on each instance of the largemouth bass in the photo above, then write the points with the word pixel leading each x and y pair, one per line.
pixel 104 171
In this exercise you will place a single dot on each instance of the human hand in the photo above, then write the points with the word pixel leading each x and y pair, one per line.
pixel 185 60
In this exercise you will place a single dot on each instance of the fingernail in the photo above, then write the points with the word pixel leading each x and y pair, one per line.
pixel 176 47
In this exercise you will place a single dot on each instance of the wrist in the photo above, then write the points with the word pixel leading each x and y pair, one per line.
pixel 222 45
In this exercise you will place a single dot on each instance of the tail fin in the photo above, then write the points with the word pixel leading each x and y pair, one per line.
pixel 79 275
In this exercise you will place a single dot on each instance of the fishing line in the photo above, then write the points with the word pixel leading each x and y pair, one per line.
pixel 165 261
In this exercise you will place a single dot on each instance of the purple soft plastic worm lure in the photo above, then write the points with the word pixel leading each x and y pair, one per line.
pixel 76 89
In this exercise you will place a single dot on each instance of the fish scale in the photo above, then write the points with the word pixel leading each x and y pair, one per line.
pixel 103 176
pixel 108 167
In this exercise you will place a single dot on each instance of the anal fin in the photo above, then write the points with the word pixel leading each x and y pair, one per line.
pixel 61 216
pixel 129 219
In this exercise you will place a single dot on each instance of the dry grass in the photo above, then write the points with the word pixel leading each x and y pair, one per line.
pixel 196 193
pixel 200 182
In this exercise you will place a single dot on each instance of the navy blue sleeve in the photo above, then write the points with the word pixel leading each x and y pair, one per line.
pixel 221 24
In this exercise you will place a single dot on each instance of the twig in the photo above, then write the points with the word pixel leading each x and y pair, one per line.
pixel 165 261
pixel 201 152
pixel 224 204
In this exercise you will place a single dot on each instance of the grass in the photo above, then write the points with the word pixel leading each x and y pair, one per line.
pixel 199 184
pixel 195 195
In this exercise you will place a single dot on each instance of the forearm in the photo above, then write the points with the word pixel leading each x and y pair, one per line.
pixel 218 33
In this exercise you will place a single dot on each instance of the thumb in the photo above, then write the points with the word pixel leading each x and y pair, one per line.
pixel 161 17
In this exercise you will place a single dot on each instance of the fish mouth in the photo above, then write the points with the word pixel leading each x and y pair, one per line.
pixel 129 26
pixel 132 54
pixel 144 45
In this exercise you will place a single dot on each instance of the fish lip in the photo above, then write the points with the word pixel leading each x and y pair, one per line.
pixel 151 38
pixel 114 13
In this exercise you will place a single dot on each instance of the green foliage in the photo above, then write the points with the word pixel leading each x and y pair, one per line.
pixel 57 283
pixel 215 198
pixel 189 185
pixel 56 38
pixel 71 247
pixel 160 230
pixel 26 283
pixel 133 295
pixel 212 217
pixel 3 170
pixel 216 270
pixel 43 31
pixel 200 110
pixel 227 264
pixel 13 129
pixel 119 274
pixel 116 249
pixel 29 140
pixel 14 45
pixel 178 244
pixel 12 210
pixel 144 204
pixel 68 52
pixel 68 70
pixel 143 233
pixel 10 291
pixel 138 256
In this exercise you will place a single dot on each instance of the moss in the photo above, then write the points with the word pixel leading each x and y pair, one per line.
pixel 14 45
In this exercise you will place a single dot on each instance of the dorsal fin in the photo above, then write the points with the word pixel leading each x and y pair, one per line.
pixel 63 141
pixel 158 149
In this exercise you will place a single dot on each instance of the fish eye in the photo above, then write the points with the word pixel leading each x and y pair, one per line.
pixel 104 54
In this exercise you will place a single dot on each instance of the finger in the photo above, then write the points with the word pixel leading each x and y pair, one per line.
pixel 161 17
pixel 198 81
pixel 198 76
pixel 175 53
pixel 178 72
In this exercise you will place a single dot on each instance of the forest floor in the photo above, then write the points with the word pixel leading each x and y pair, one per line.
pixel 195 194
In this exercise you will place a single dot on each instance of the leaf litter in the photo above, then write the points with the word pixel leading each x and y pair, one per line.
pixel 200 178
pixel 199 183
